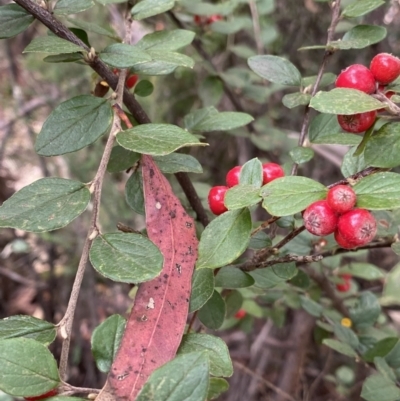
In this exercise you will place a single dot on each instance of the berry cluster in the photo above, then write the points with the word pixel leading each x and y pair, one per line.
pixel 202 20
pixel 216 196
pixel 345 285
pixel 384 69
pixel 353 227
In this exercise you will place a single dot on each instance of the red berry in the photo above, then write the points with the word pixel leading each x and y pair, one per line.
pixel 341 198
pixel 131 81
pixel 271 171
pixel 358 77
pixel 49 394
pixel 357 123
pixel 240 314
pixel 232 178
pixel 356 227
pixel 344 243
pixel 320 219
pixel 344 287
pixel 385 68
pixel 214 18
pixel 216 198
pixel 199 20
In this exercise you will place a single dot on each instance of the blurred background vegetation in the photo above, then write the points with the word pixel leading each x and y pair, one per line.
pixel 37 270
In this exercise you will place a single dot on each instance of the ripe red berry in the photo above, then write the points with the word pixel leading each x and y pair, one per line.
pixel 344 286
pixel 356 227
pixel 216 198
pixel 320 219
pixel 341 198
pixel 385 68
pixel 240 314
pixel 232 178
pixel 344 243
pixel 357 123
pixel 49 394
pixel 131 81
pixel 271 171
pixel 358 77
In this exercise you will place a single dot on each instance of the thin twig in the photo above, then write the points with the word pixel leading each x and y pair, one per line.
pixel 267 383
pixel 328 53
pixel 256 26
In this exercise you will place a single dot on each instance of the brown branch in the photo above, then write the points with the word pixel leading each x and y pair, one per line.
pixel 328 53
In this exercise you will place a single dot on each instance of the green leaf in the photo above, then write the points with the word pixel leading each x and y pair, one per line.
pixel 233 302
pixel 390 293
pixel 27 368
pixel 74 124
pixel 28 327
pixel 383 368
pixel 381 348
pixel 353 164
pixel 275 69
pixel 64 58
pixel 228 27
pixel 128 258
pixel 224 121
pixel 310 306
pixel 149 8
pixel 217 387
pixel 241 196
pixel 121 159
pixel 378 387
pixel 122 55
pixel 105 341
pixel 144 88
pixel 195 118
pixel 45 205
pixel 346 335
pixel 344 101
pixel 211 91
pixel 13 20
pixel 216 349
pixel 327 79
pixel 379 191
pixel 231 277
pixel 156 139
pixel 134 192
pixel 289 195
pixel 183 378
pixel 293 100
pixel 340 347
pixel 163 63
pixel 301 155
pixel 366 271
pixel 325 129
pixel 269 278
pixel 361 7
pixel 359 37
pixel 166 40
pixel 366 311
pixel 260 240
pixel 51 45
pixel 251 173
pixel 383 148
pixel 178 162
pixel 224 239
pixel 91 27
pixel 202 288
pixel 65 7
pixel 212 313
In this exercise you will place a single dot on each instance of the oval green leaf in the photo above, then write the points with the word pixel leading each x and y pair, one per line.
pixel 28 327
pixel 121 159
pixel 231 277
pixel 122 55
pixel 379 191
pixel 275 69
pixel 13 20
pixel 149 8
pixel 178 162
pixel 224 239
pixel 45 205
pixel 74 124
pixel 51 45
pixel 216 349
pixel 293 100
pixel 202 288
pixel 359 37
pixel 26 358
pixel 129 258
pixel 156 139
pixel 289 195
pixel 241 196
pixel 361 7
pixel 134 192
pixel 344 101
pixel 105 341
pixel 212 314
pixel 251 173
pixel 184 378
pixel 66 7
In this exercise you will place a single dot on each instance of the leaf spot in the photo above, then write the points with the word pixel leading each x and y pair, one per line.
pixel 151 304
pixel 158 205
pixel 123 376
